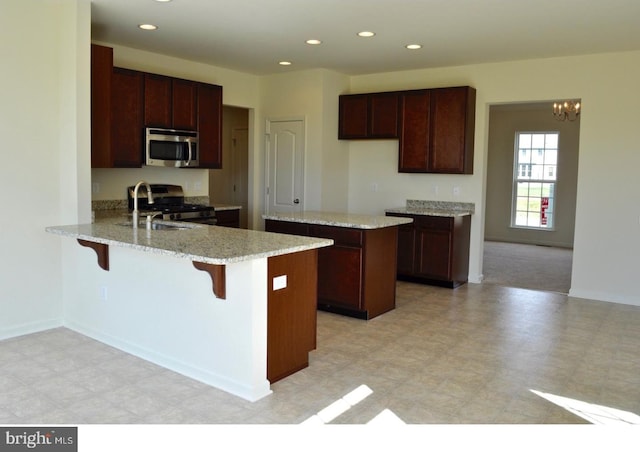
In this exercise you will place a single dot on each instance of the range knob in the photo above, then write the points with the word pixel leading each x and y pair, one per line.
pixel 172 216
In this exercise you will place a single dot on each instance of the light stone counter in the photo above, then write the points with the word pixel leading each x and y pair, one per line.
pixel 345 220
pixel 435 208
pixel 208 244
pixel 217 207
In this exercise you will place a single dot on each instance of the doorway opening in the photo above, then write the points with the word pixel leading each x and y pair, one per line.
pixel 230 185
pixel 515 256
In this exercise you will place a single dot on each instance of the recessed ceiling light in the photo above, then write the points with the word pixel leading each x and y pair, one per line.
pixel 413 46
pixel 285 63
pixel 313 42
pixel 366 34
pixel 147 27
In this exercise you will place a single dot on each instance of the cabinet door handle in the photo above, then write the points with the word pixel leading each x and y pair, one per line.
pixel 296 201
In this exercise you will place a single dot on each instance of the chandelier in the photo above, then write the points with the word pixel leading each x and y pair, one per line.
pixel 566 110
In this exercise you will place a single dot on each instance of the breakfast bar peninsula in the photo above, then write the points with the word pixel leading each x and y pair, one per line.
pixel 230 307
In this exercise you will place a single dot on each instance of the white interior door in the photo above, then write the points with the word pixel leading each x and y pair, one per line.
pixel 285 163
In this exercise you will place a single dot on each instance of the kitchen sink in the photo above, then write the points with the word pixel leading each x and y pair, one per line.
pixel 158 226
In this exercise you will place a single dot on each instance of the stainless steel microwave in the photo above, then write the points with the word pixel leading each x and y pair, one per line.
pixel 173 148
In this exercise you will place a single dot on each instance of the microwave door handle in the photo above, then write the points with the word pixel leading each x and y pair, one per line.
pixel 189 155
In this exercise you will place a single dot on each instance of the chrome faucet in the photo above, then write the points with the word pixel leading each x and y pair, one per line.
pixel 136 213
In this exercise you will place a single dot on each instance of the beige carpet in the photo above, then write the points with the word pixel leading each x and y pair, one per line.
pixel 527 266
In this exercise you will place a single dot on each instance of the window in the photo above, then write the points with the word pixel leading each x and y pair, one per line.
pixel 534 185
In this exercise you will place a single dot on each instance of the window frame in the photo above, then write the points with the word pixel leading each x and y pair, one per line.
pixel 515 174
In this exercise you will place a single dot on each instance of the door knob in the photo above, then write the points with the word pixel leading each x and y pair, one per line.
pixel 296 201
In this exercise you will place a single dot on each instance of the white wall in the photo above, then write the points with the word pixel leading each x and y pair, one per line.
pixel 607 231
pixel 45 82
pixel 313 95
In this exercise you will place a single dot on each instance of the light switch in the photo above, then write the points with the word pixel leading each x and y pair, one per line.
pixel 279 282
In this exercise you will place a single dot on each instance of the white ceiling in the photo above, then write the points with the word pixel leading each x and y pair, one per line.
pixel 253 35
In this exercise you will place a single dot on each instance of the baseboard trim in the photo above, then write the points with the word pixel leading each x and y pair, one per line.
pixel 29 328
pixel 603 296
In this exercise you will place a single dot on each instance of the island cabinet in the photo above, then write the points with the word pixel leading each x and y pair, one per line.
pixel 437 131
pixel 357 274
pixel 291 313
pixel 368 116
pixel 434 249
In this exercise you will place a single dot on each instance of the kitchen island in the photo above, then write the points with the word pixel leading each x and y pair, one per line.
pixel 357 275
pixel 230 307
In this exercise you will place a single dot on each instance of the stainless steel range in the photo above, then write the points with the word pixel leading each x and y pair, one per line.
pixel 169 204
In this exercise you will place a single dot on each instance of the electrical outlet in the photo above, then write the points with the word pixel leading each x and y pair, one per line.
pixel 104 293
pixel 197 186
pixel 456 191
pixel 95 188
pixel 280 282
pixel 374 187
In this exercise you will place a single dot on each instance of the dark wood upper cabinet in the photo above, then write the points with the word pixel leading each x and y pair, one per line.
pixel 157 101
pixel 383 115
pixel 209 125
pixel 415 138
pixel 170 102
pixel 353 116
pixel 101 66
pixel 125 101
pixel 453 126
pixel 368 116
pixel 437 131
pixel 184 104
pixel 435 126
pixel 127 107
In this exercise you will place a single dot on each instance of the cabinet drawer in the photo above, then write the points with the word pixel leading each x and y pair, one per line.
pixel 286 227
pixel 341 236
pixel 430 222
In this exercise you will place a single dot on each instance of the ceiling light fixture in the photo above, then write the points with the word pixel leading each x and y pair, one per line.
pixel 566 110
pixel 366 34
pixel 313 42
pixel 285 63
pixel 147 27
pixel 413 46
pixel 163 1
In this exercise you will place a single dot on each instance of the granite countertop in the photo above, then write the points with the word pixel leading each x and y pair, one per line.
pixel 218 206
pixel 208 244
pixel 346 220
pixel 435 208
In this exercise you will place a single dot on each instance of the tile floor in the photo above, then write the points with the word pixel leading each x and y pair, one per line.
pixel 471 355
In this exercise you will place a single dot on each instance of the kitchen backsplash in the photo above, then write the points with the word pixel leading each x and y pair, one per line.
pixel 123 203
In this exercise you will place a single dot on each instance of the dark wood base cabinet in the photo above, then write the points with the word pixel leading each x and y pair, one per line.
pixel 434 250
pixel 229 218
pixel 291 313
pixel 357 274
